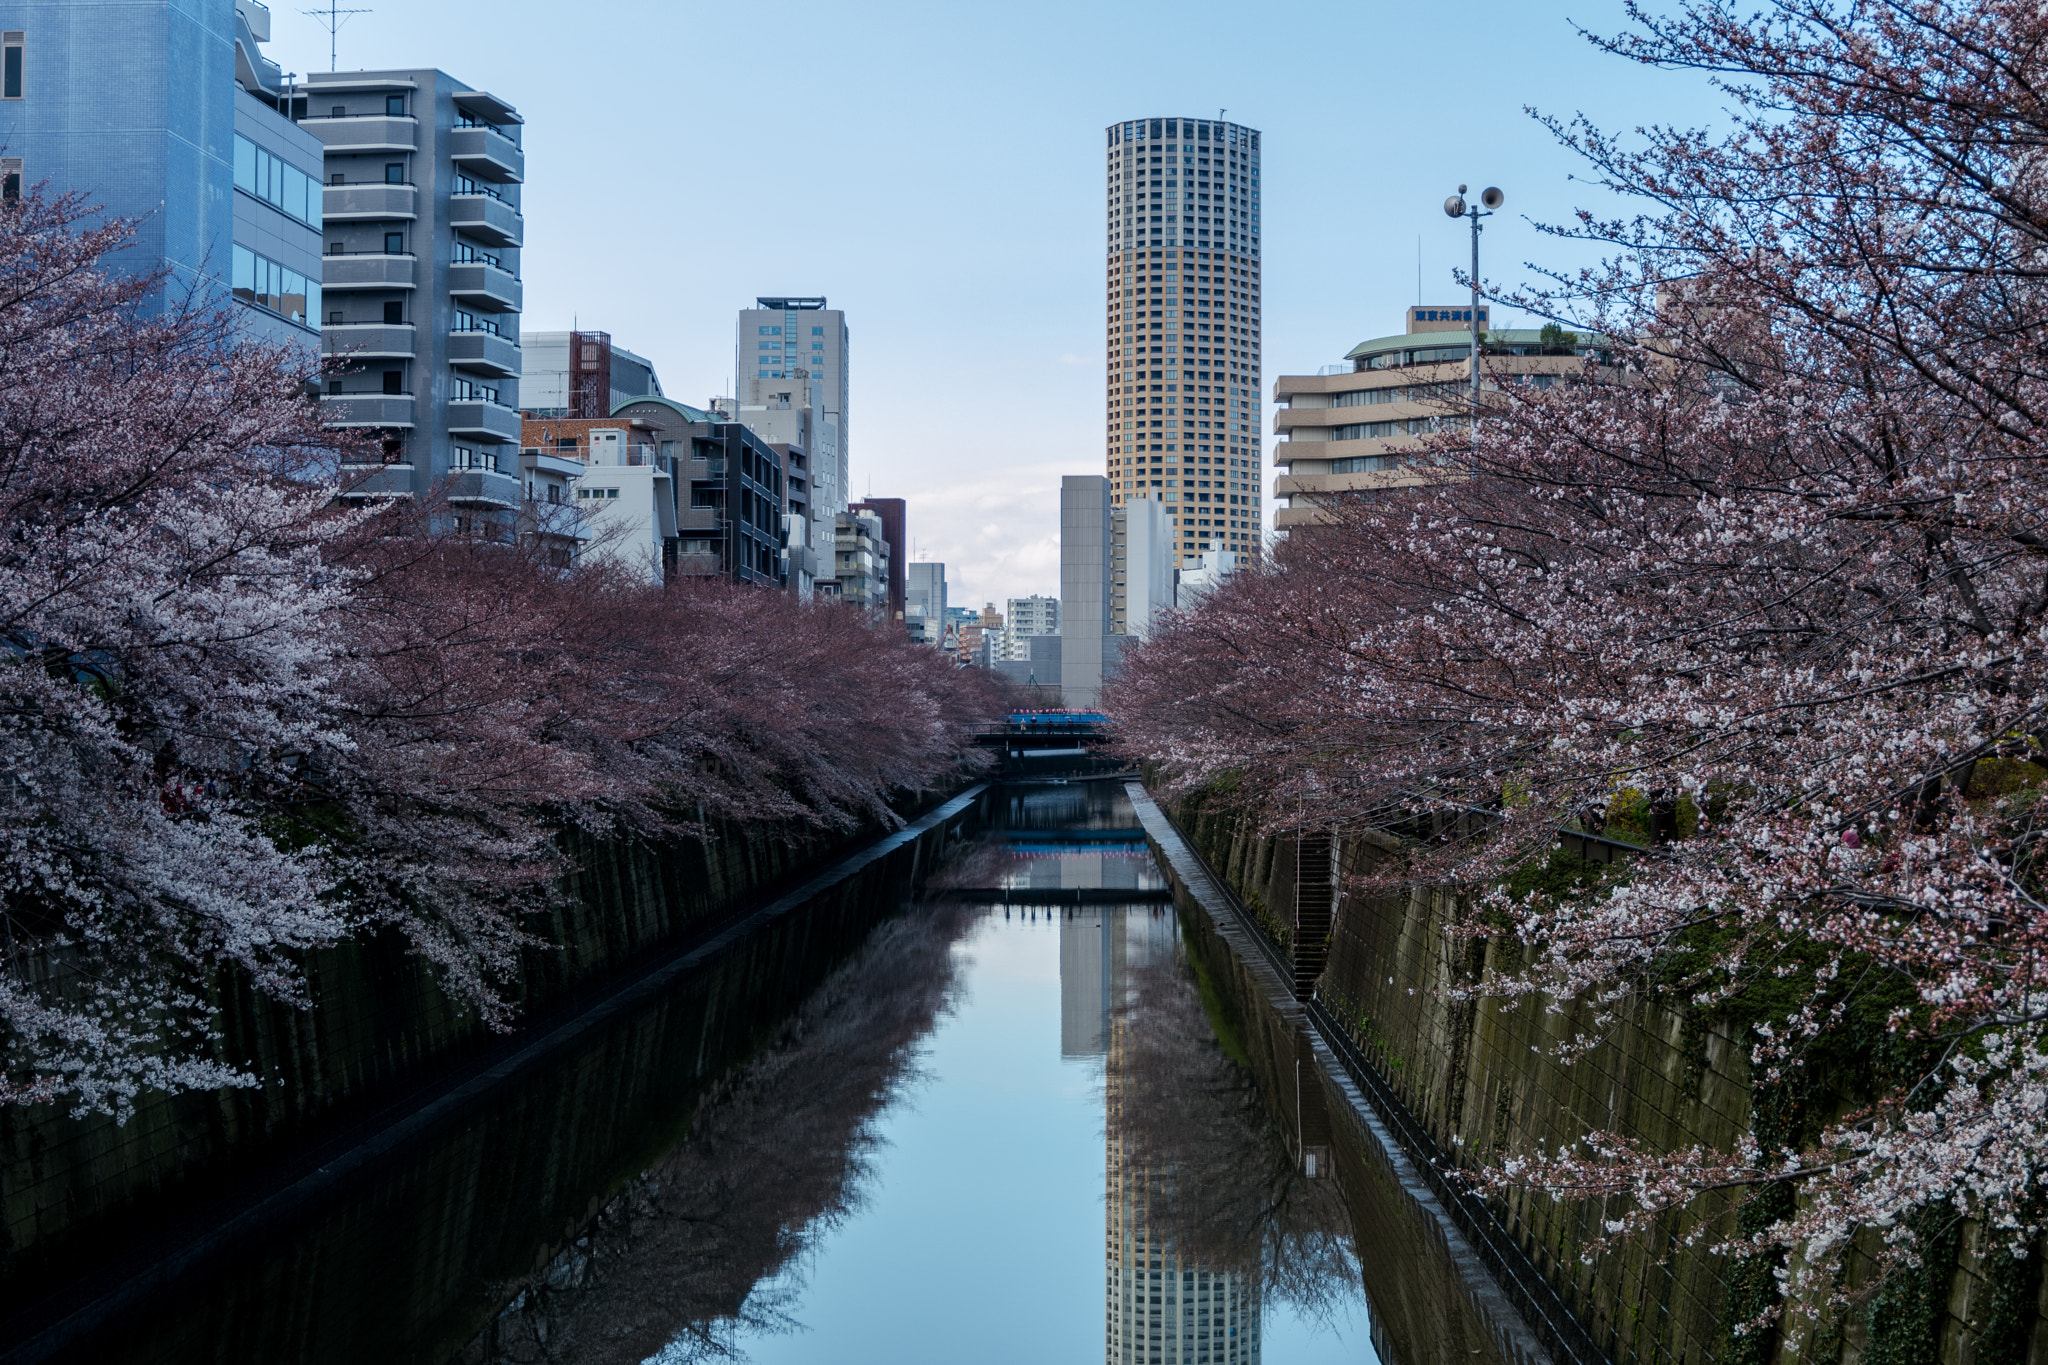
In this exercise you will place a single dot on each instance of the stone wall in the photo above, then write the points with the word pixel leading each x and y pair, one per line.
pixel 1483 1079
pixel 379 1036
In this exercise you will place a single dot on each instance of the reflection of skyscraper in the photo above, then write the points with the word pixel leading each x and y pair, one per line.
pixel 1084 983
pixel 1161 1310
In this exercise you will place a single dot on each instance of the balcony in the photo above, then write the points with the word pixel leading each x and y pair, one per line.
pixel 365 133
pixel 366 271
pixel 480 418
pixel 366 410
pixel 487 155
pixel 485 286
pixel 376 481
pixel 484 487
pixel 491 221
pixel 483 353
pixel 368 340
pixel 347 203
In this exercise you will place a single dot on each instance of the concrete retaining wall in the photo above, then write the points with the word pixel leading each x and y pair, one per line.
pixel 1481 1078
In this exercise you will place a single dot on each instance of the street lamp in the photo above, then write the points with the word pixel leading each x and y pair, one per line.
pixel 1455 207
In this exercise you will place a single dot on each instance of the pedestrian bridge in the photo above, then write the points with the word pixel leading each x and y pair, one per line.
pixel 1056 741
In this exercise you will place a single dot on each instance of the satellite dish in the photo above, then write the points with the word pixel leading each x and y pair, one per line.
pixel 1454 207
pixel 1492 197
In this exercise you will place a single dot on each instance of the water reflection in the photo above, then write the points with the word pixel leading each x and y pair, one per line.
pixel 1209 1214
pixel 775 1159
pixel 938 1114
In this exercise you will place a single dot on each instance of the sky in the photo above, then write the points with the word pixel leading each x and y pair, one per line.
pixel 937 171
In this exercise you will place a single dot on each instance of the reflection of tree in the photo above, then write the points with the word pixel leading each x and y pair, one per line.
pixel 1226 1186
pixel 779 1153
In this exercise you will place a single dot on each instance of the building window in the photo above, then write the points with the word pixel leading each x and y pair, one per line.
pixel 10 64
pixel 394 381
pixel 394 244
pixel 394 106
pixel 260 281
pixel 394 172
pixel 10 179
pixel 271 179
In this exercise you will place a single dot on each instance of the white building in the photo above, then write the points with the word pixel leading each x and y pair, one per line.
pixel 1202 576
pixel 1024 617
pixel 627 497
pixel 1144 556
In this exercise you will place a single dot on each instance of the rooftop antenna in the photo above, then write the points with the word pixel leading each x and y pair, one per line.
pixel 332 18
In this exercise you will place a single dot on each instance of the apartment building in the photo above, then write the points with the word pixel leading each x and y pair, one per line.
pixel 421 281
pixel 788 418
pixel 1025 618
pixel 1183 285
pixel 794 350
pixel 733 523
pixel 167 113
pixel 1354 429
pixel 715 488
pixel 860 563
pixel 893 514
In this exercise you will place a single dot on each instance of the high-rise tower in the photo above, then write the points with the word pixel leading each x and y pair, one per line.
pixel 1183 338
pixel 792 355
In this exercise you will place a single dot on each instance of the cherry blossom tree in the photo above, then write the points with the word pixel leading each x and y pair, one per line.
pixel 1763 588
pixel 242 717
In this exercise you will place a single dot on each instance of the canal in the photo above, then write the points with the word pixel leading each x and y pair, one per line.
pixel 1037 1113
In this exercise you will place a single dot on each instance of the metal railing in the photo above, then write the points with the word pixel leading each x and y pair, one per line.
pixel 1542 1308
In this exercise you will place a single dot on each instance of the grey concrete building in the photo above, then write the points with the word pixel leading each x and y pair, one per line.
pixel 1182 423
pixel 1087 542
pixel 1036 666
pixel 781 342
pixel 422 288
pixel 924 611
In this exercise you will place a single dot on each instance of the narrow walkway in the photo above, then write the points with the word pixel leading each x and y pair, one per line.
pixel 1233 924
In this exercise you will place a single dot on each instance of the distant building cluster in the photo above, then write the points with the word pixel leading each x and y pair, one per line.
pixel 374 218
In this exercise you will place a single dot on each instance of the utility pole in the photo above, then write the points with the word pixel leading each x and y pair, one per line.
pixel 332 18
pixel 1456 207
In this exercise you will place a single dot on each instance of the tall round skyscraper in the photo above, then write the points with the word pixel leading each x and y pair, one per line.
pixel 1183 340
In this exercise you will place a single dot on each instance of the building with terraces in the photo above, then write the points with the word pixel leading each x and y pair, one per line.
pixel 421 283
pixel 1355 428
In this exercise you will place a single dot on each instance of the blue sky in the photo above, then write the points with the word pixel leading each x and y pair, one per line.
pixel 937 171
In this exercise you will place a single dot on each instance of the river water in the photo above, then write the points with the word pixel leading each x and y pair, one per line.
pixel 956 1131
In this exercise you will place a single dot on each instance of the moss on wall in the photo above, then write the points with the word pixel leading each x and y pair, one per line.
pixel 1484 1079
pixel 379 1025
